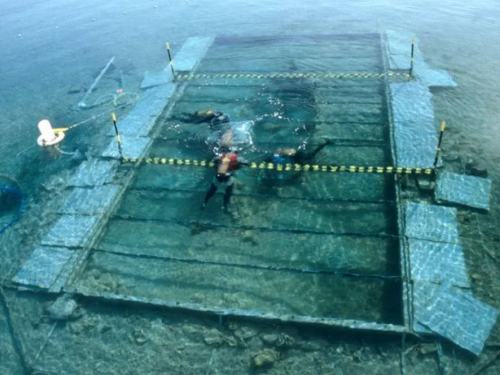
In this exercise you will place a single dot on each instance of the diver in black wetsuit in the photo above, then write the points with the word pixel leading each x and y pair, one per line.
pixel 284 156
pixel 198 117
pixel 298 155
pixel 226 166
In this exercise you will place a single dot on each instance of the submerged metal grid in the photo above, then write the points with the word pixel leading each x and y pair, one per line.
pixel 464 190
pixel 374 118
pixel 454 314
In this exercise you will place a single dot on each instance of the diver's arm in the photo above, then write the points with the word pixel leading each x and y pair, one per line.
pixel 243 161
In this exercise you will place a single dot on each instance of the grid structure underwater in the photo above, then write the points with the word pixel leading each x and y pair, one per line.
pixel 335 249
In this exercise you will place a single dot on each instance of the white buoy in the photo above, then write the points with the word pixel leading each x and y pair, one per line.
pixel 47 135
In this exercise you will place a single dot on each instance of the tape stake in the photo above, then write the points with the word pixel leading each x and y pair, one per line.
pixel 438 151
pixel 411 60
pixel 170 59
pixel 118 140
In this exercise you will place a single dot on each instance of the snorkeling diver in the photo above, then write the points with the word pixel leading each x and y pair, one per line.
pixel 198 117
pixel 225 168
pixel 298 155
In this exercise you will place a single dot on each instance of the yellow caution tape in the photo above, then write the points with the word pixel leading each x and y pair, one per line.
pixel 292 75
pixel 286 167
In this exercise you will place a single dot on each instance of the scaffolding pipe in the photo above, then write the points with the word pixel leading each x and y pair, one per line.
pixel 82 103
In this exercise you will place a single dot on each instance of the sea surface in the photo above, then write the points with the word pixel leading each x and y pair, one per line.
pixel 50 54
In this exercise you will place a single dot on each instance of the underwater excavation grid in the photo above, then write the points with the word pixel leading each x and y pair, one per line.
pixel 304 245
pixel 335 249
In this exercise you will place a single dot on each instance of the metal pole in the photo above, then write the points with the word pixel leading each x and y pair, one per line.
pixel 443 126
pixel 412 50
pixel 113 117
pixel 170 59
pixel 82 103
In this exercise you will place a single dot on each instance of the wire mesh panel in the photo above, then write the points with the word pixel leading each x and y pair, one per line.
pixel 306 244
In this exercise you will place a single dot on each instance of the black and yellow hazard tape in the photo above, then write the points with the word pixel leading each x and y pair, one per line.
pixel 285 167
pixel 291 75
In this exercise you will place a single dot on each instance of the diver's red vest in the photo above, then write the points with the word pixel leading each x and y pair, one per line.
pixel 233 161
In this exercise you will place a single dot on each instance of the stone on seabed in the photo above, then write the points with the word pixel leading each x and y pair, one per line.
pixel 63 308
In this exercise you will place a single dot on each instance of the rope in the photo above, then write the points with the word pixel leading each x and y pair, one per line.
pixel 291 75
pixel 287 167
pixel 251 266
pixel 281 197
pixel 254 228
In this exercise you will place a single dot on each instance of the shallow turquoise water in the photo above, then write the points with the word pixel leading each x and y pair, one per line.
pixel 51 49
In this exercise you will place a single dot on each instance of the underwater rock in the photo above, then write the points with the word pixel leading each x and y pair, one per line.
pixel 479 170
pixel 249 238
pixel 57 182
pixel 190 329
pixel 77 90
pixel 244 333
pixel 91 282
pixel 267 357
pixel 213 337
pixel 313 345
pixel 451 155
pixel 427 348
pixel 105 328
pixel 63 308
pixel 269 338
pixel 475 277
pixel 107 283
pixel 197 298
pixel 464 217
pixel 231 298
pixel 285 341
pixel 84 325
pixel 476 168
pixel 139 336
pixel 230 340
pixel 425 183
